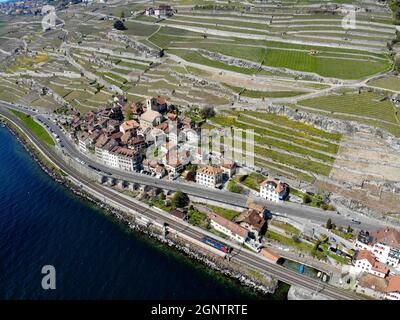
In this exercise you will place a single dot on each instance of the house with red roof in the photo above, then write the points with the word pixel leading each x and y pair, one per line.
pixel 365 261
pixel 158 104
pixel 273 190
pixel 393 288
pixel 383 243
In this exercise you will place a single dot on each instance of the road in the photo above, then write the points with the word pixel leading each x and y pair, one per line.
pixel 286 209
pixel 240 255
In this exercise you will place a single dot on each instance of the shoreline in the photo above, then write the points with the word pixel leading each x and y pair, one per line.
pixel 191 251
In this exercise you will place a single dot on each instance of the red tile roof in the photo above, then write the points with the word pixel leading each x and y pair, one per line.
pixel 161 100
pixel 235 228
pixel 376 265
pixel 279 186
pixel 387 236
pixel 394 284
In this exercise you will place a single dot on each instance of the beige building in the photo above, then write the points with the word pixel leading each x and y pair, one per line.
pixel 150 119
pixel 225 226
pixel 209 176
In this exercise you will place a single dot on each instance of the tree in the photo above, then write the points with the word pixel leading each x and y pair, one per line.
pixel 349 229
pixel 179 200
pixel 397 61
pixel 119 25
pixel 122 16
pixel 127 112
pixel 307 199
pixel 329 224
pixel 162 196
pixel 207 112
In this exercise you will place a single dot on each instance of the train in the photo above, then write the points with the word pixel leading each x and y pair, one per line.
pixel 216 244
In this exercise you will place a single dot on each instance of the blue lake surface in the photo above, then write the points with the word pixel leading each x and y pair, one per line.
pixel 43 223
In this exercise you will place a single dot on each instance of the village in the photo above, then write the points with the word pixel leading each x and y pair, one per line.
pixel 159 140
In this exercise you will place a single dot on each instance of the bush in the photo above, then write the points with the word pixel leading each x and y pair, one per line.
pixel 307 199
pixel 179 200
pixel 397 61
pixel 324 206
pixel 119 25
pixel 329 224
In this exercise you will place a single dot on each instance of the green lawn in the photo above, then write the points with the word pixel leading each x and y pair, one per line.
pixel 252 180
pixel 198 218
pixel 36 128
pixel 288 241
pixel 156 202
pixel 285 226
pixel 226 213
pixel 388 82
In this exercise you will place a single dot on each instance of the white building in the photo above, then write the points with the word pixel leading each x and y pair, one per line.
pixel 384 244
pixel 365 261
pixel 160 12
pixel 150 119
pixel 225 226
pixel 83 141
pixel 128 125
pixel 118 157
pixel 209 176
pixel 273 190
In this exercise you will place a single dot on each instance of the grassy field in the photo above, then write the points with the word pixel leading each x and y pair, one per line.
pixel 389 127
pixel 262 94
pixel 36 128
pixel 22 62
pixel 196 57
pixel 303 141
pixel 226 213
pixel 285 226
pixel 325 61
pixel 389 82
pixel 252 180
pixel 365 104
pixel 295 125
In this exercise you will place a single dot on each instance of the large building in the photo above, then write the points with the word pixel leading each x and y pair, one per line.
pixel 150 119
pixel 158 104
pixel 365 261
pixel 162 11
pixel 379 288
pixel 384 244
pixel 225 226
pixel 273 190
pixel 118 157
pixel 393 289
pixel 253 220
pixel 209 176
